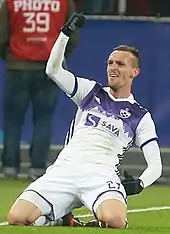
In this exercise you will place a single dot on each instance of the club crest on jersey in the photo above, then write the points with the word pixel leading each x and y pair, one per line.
pixel 124 113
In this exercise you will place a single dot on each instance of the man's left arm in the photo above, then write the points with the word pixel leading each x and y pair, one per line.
pixel 153 171
pixel 146 139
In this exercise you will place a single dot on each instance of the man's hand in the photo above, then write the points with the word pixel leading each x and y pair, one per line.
pixel 132 186
pixel 75 22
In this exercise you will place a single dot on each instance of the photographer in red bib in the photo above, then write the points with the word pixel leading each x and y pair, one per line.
pixel 27 34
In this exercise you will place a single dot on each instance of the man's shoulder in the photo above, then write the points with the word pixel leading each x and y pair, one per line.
pixel 138 106
pixel 143 112
pixel 141 107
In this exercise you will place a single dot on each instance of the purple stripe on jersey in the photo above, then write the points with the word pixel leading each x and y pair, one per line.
pixel 146 142
pixel 70 132
pixel 75 88
pixel 129 113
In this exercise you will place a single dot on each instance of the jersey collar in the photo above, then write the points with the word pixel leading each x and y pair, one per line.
pixel 128 99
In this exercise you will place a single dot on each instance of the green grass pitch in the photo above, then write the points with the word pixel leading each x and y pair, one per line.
pixel 149 222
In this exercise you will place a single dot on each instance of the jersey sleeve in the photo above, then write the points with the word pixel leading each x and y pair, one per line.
pixel 81 89
pixel 145 131
pixel 75 88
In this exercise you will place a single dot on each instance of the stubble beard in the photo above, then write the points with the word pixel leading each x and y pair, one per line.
pixel 115 87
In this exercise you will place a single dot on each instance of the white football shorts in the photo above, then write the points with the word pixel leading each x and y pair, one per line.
pixel 65 188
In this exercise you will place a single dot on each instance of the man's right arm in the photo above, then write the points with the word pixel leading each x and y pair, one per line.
pixel 4 28
pixel 63 78
pixel 74 39
pixel 67 81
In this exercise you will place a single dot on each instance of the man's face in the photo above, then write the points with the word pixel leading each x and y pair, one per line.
pixel 121 70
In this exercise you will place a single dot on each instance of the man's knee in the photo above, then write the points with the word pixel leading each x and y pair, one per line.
pixel 23 213
pixel 112 219
pixel 15 218
pixel 113 213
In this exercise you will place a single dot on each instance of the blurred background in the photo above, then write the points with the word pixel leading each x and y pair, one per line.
pixel 144 24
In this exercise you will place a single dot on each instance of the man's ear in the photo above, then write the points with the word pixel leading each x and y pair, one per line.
pixel 136 72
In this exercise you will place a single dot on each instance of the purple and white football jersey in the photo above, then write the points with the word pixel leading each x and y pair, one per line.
pixel 105 127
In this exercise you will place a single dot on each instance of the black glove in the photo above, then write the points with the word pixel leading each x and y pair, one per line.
pixel 132 186
pixel 75 22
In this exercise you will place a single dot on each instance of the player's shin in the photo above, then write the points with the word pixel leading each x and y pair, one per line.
pixel 67 220
pixel 45 221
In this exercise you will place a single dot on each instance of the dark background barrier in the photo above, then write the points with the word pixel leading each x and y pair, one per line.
pixel 98 37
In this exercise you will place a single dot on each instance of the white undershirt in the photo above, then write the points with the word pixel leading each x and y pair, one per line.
pixel 152 156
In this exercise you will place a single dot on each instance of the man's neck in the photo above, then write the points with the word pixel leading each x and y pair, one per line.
pixel 120 93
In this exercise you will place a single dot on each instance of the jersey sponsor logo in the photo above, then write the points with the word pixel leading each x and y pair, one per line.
pixel 111 128
pixel 92 120
pixel 124 113
pixel 36 5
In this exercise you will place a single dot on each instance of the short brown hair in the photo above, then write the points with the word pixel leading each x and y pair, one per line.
pixel 130 49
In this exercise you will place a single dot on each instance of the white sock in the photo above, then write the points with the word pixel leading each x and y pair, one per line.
pixel 45 221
